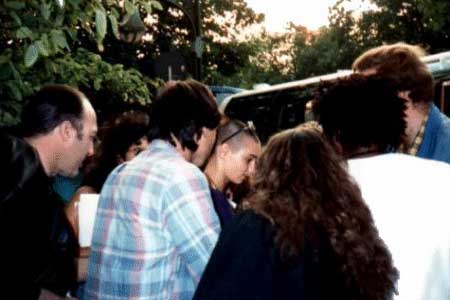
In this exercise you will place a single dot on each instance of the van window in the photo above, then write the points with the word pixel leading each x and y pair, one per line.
pixel 284 105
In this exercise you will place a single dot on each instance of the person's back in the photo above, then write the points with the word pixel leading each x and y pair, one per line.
pixel 410 200
pixel 155 225
pixel 408 196
pixel 307 233
pixel 162 260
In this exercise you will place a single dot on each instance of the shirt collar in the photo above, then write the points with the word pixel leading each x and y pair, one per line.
pixel 415 145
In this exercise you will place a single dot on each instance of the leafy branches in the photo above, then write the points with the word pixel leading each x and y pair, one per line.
pixel 42 42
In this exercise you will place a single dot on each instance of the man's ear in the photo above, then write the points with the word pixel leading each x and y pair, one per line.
pixel 404 95
pixel 176 142
pixel 66 131
pixel 197 136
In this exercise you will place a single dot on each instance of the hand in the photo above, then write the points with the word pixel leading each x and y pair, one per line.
pixel 82 269
pixel 47 295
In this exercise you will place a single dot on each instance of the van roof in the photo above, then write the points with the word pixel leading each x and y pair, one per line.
pixel 439 65
pixel 285 86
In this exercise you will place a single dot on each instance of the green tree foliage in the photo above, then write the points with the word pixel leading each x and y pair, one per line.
pixel 42 42
pixel 169 29
pixel 224 23
pixel 266 59
pixel 327 50
pixel 423 22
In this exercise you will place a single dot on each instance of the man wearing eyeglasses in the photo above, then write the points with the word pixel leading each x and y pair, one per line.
pixel 156 226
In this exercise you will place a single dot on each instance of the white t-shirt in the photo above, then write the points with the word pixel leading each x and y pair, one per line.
pixel 410 202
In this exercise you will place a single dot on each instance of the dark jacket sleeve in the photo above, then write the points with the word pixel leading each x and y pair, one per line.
pixel 18 164
pixel 37 249
pixel 241 265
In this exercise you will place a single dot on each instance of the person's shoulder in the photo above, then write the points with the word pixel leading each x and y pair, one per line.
pixel 179 169
pixel 426 164
pixel 420 173
pixel 439 120
pixel 162 158
pixel 251 218
pixel 9 145
pixel 250 225
pixel 20 166
pixel 397 161
pixel 438 170
pixel 16 153
pixel 374 163
pixel 446 120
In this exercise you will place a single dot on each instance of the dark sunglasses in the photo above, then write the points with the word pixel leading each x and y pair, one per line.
pixel 250 127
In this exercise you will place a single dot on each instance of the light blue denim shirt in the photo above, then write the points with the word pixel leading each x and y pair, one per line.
pixel 436 140
pixel 154 231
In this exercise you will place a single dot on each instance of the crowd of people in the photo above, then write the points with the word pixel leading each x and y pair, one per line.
pixel 351 206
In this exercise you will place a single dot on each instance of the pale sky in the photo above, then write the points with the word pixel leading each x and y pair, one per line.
pixel 309 13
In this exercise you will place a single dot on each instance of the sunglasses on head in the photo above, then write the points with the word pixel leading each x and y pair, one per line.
pixel 249 126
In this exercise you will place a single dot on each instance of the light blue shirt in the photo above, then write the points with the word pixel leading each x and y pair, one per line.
pixel 155 229
pixel 436 138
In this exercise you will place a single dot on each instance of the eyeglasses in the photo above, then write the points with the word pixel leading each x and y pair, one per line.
pixel 250 127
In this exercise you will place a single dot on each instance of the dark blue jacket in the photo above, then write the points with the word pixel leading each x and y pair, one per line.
pixel 246 265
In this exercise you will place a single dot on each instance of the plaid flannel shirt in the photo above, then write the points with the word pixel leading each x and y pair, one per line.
pixel 154 231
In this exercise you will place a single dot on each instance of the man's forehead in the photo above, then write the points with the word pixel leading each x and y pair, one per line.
pixel 89 119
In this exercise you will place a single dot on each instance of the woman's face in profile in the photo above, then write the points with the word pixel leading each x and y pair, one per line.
pixel 240 164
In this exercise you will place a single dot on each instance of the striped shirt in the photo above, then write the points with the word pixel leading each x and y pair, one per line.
pixel 155 229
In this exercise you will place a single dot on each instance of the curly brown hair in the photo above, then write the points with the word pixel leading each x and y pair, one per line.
pixel 302 183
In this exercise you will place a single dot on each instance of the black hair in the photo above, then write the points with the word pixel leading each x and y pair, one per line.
pixel 51 106
pixel 116 139
pixel 359 111
pixel 183 108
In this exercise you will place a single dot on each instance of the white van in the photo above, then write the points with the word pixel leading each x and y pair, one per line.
pixel 283 106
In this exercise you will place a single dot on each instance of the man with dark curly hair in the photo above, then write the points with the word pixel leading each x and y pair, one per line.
pixel 427 129
pixel 364 118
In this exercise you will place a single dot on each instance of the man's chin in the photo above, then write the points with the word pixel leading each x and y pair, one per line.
pixel 70 174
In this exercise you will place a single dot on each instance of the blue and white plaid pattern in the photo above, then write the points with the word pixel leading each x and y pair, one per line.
pixel 155 229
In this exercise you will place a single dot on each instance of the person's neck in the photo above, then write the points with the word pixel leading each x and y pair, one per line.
pixel 215 178
pixel 183 151
pixel 43 146
pixel 364 152
pixel 415 115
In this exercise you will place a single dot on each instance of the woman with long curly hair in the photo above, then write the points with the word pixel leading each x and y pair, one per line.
pixel 307 235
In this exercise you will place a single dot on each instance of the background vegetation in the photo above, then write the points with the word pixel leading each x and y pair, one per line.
pixel 111 49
